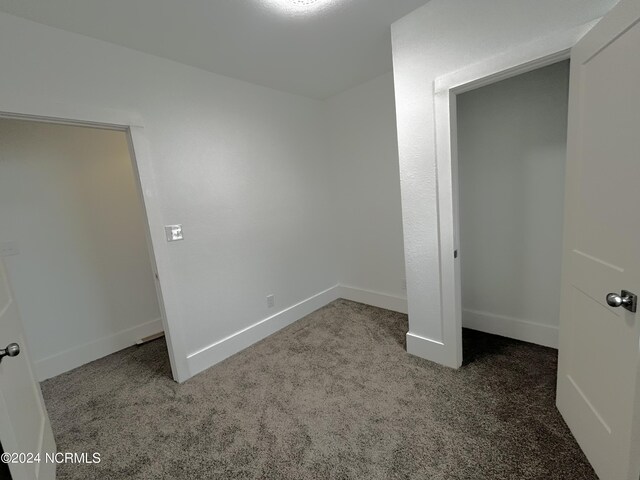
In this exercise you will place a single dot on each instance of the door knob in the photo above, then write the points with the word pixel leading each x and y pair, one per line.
pixel 12 350
pixel 626 300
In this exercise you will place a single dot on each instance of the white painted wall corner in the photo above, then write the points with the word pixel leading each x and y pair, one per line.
pixel 376 299
pixel 217 352
pixel 525 330
pixel 88 352
pixel 222 349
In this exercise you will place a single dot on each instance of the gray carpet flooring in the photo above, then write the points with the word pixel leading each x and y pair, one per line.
pixel 334 395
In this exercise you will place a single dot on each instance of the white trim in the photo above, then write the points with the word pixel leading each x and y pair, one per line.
pixel 525 330
pixel 159 253
pixel 427 348
pixel 207 357
pixel 236 342
pixel 88 352
pixel 375 299
pixel 43 109
pixel 519 60
pixel 531 56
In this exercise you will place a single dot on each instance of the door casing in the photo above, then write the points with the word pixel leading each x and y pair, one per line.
pixel 447 87
pixel 132 126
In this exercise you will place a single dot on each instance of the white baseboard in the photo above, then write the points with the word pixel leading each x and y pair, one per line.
pixel 218 351
pixel 88 352
pixel 432 350
pixel 376 299
pixel 524 330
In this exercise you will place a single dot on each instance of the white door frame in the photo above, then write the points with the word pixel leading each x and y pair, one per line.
pixel 522 59
pixel 43 110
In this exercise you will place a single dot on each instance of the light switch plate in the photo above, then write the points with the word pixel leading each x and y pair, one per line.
pixel 9 248
pixel 173 232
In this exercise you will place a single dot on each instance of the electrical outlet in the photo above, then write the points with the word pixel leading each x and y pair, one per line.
pixel 271 301
pixel 404 284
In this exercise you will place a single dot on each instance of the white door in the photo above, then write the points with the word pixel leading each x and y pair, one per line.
pixel 24 423
pixel 599 362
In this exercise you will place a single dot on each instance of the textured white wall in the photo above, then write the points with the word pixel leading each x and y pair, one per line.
pixel 243 168
pixel 247 170
pixel 68 201
pixel 511 157
pixel 362 135
pixel 437 39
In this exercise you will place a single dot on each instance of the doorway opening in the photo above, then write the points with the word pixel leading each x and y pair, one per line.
pixel 511 153
pixel 76 242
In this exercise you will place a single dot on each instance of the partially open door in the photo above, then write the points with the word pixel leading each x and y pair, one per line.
pixel 599 363
pixel 25 431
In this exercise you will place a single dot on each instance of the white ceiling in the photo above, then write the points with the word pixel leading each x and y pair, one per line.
pixel 316 53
